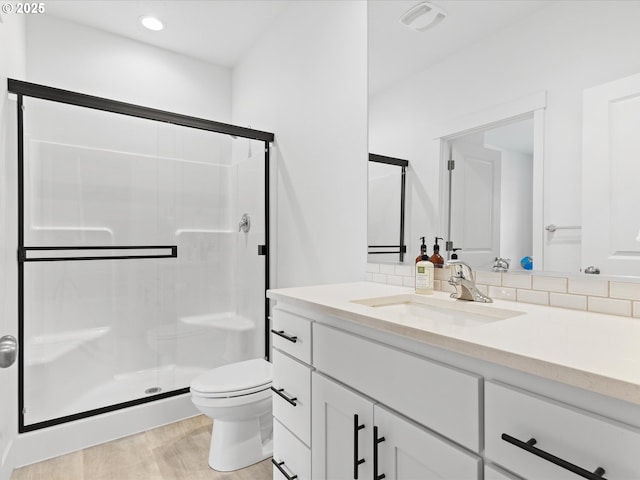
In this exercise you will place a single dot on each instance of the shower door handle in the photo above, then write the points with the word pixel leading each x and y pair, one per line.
pixel 8 351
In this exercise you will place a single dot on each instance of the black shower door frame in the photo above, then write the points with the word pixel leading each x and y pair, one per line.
pixel 30 254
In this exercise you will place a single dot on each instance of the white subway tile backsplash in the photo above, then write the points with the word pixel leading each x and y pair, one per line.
pixel 627 291
pixel 609 305
pixel 549 284
pixel 489 278
pixel 532 296
pixel 447 287
pixel 565 300
pixel 441 273
pixel 379 278
pixel 596 287
pixel 593 294
pixel 373 267
pixel 405 270
pixel 388 268
pixel 502 293
pixel 516 280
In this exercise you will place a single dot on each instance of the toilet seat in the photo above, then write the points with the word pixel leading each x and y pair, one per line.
pixel 234 380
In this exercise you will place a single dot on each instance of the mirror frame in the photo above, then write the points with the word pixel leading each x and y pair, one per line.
pixel 532 105
pixel 403 164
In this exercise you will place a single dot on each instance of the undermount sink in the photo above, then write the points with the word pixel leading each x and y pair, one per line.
pixel 438 311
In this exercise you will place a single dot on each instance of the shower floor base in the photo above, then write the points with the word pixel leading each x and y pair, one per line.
pixel 68 437
pixel 124 387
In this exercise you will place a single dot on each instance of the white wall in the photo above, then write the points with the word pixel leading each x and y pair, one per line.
pixel 73 57
pixel 305 81
pixel 516 206
pixel 563 49
pixel 12 53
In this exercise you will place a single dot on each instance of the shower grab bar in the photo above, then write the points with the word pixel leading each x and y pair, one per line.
pixel 23 252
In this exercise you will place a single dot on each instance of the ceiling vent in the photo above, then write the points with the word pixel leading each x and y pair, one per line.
pixel 423 16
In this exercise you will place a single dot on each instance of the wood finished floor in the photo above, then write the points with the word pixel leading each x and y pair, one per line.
pixel 172 452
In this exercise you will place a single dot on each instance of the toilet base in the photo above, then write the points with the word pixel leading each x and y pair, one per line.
pixel 239 444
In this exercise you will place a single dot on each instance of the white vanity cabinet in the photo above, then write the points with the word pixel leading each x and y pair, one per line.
pixel 355 438
pixel 385 400
pixel 342 431
pixel 291 355
pixel 536 437
pixel 444 399
pixel 360 435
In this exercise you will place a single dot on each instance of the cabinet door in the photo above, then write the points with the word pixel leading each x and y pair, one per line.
pixel 342 428
pixel 406 451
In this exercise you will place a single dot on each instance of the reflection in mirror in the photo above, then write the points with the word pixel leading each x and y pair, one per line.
pixel 386 208
pixel 435 84
pixel 490 214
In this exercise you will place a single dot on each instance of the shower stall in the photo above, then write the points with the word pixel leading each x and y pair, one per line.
pixel 142 252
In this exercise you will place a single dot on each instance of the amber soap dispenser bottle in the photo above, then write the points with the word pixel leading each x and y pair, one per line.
pixel 436 258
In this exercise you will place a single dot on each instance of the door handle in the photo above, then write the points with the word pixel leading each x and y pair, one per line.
pixel 357 461
pixel 376 441
pixel 8 351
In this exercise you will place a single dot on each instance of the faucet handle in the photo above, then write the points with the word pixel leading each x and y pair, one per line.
pixel 461 269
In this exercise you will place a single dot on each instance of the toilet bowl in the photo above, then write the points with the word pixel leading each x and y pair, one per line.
pixel 238 399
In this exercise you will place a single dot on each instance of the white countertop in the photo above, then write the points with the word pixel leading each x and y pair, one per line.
pixel 593 351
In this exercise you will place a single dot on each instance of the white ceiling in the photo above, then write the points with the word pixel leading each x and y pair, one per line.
pixel 396 52
pixel 217 31
pixel 222 31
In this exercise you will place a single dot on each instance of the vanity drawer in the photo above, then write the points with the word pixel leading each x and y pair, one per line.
pixel 290 455
pixel 441 398
pixel 581 438
pixel 492 472
pixel 291 333
pixel 292 395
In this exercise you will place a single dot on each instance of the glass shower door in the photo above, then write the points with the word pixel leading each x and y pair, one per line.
pixel 93 258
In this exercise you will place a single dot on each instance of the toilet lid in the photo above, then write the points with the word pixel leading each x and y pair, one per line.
pixel 237 378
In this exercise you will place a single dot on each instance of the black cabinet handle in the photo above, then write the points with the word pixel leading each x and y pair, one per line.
pixel 280 391
pixel 281 333
pixel 282 471
pixel 376 441
pixel 356 460
pixel 529 447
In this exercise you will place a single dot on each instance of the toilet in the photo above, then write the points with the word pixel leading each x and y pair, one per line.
pixel 238 399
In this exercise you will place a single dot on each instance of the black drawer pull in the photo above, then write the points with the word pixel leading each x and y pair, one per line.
pixel 280 391
pixel 281 333
pixel 279 466
pixel 376 441
pixel 529 447
pixel 356 460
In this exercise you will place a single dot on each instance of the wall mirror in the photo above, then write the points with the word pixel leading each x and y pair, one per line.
pixel 490 193
pixel 386 208
pixel 578 210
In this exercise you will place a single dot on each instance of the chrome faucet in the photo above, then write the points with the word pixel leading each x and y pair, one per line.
pixel 462 280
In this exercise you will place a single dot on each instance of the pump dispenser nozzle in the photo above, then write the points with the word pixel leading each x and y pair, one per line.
pixel 423 250
pixel 436 258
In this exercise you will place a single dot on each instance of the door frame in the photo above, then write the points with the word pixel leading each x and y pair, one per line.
pixel 531 105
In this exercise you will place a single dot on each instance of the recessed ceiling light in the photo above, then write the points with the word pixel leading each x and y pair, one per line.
pixel 152 23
